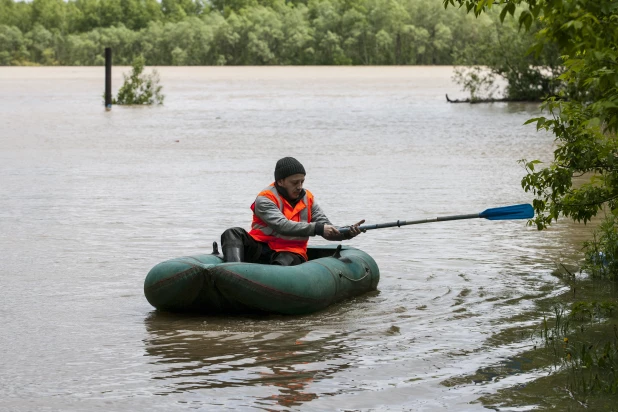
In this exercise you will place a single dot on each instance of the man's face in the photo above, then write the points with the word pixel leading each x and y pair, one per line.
pixel 293 184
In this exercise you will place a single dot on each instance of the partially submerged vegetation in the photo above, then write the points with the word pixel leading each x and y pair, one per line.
pixel 506 60
pixel 140 88
pixel 578 339
pixel 581 338
pixel 572 358
pixel 601 259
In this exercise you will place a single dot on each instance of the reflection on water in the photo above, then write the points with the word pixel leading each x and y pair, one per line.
pixel 271 352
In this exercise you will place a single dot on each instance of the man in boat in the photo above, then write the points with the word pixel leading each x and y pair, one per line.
pixel 284 216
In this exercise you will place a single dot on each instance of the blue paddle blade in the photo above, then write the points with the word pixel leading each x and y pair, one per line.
pixel 524 211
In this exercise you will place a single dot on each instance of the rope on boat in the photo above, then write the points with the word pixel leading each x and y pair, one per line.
pixel 341 275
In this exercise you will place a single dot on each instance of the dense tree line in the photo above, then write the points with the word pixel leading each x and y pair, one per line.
pixel 236 32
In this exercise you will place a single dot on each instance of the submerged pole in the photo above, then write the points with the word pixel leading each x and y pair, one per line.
pixel 108 78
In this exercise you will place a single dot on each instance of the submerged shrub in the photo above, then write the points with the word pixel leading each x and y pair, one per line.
pixel 602 251
pixel 138 88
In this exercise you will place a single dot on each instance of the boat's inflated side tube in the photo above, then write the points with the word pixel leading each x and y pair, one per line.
pixel 175 284
pixel 205 284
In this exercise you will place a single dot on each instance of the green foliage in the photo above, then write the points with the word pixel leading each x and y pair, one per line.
pixel 584 115
pixel 594 368
pixel 17 14
pixel 505 52
pixel 592 365
pixel 14 51
pixel 138 88
pixel 591 310
pixel 602 251
pixel 51 14
pixel 478 81
pixel 241 32
pixel 584 346
pixel 582 178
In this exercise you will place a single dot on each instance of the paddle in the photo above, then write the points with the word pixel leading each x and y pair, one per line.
pixel 524 211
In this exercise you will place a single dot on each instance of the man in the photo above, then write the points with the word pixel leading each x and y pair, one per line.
pixel 284 216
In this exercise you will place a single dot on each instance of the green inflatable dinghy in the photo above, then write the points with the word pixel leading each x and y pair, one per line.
pixel 204 283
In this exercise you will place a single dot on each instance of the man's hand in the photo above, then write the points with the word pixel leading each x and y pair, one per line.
pixel 355 230
pixel 330 232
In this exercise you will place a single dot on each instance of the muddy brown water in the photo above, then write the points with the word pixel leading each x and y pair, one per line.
pixel 90 200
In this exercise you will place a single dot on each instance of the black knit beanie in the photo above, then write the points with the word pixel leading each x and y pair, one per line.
pixel 288 166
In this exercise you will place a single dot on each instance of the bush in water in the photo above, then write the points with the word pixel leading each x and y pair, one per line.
pixel 140 88
pixel 602 251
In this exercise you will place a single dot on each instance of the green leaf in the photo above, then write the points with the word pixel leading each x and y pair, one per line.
pixel 503 13
pixel 594 122
pixel 525 19
pixel 534 119
pixel 480 5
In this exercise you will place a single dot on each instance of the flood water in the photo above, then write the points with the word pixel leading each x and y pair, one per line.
pixel 91 200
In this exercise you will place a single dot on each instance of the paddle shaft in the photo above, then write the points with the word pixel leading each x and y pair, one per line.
pixel 412 222
pixel 416 222
pixel 523 211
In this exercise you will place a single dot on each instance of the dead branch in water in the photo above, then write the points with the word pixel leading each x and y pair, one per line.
pixel 474 101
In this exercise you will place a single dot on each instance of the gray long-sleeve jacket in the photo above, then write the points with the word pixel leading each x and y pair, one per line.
pixel 270 213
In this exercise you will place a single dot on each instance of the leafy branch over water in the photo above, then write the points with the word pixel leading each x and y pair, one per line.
pixel 583 115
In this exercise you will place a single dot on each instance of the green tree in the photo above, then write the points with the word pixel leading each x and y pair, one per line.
pixel 359 39
pixel 393 31
pixel 110 13
pixel 431 32
pixel 13 50
pixel 73 17
pixel 172 10
pixel 151 11
pixel 133 16
pixel 264 35
pixel 177 10
pixel 42 49
pixel 18 14
pixel 88 16
pixel 226 40
pixel 228 6
pixel 81 49
pixel 326 18
pixel 188 42
pixel 49 13
pixel 584 117
pixel 297 42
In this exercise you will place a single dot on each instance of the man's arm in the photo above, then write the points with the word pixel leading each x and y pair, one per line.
pixel 319 217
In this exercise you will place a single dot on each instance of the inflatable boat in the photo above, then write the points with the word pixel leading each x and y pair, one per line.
pixel 205 284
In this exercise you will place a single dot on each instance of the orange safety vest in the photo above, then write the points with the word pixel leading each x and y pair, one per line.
pixel 300 213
